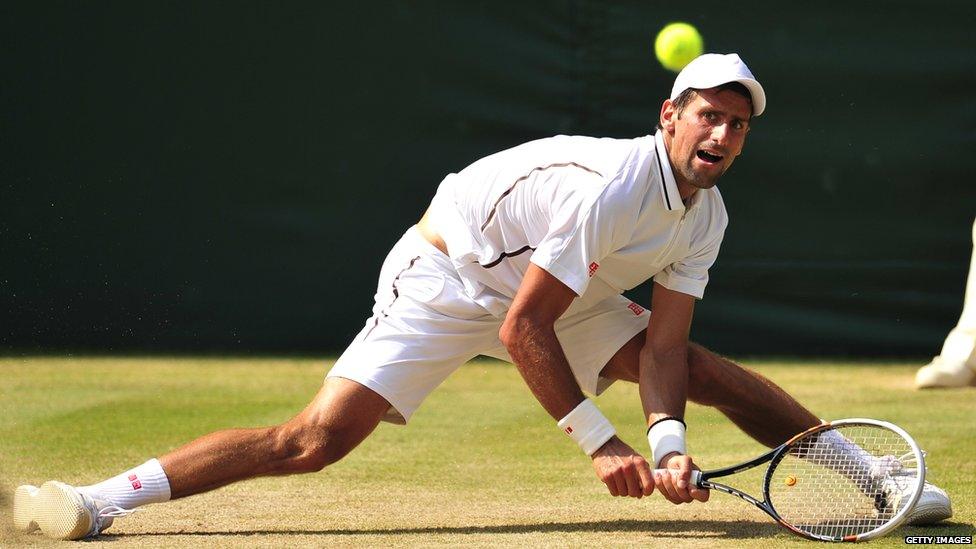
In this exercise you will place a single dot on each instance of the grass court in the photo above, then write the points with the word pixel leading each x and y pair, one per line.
pixel 480 465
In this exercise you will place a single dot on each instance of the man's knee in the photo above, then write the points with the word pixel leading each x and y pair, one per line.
pixel 302 446
pixel 340 416
pixel 702 366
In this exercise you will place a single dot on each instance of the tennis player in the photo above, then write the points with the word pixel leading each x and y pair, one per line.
pixel 523 256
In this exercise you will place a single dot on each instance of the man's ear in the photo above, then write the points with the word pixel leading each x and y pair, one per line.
pixel 667 117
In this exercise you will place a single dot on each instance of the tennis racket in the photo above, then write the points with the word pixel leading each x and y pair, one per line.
pixel 847 480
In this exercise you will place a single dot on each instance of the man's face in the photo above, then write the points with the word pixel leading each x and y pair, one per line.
pixel 704 139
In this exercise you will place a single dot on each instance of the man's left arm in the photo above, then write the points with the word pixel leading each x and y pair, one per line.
pixel 663 381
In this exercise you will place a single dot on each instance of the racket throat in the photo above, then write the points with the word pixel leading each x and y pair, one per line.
pixel 741 495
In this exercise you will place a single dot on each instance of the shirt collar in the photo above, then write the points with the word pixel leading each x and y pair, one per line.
pixel 669 191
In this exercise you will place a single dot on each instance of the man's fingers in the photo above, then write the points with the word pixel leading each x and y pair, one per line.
pixel 682 482
pixel 624 471
pixel 621 479
pixel 682 478
pixel 611 483
pixel 683 487
pixel 700 494
pixel 696 493
pixel 681 493
pixel 632 480
pixel 669 484
pixel 619 484
pixel 665 484
pixel 675 482
pixel 646 479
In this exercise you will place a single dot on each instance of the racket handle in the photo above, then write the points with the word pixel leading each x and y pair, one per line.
pixel 695 475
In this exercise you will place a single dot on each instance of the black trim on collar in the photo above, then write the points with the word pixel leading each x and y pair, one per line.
pixel 664 180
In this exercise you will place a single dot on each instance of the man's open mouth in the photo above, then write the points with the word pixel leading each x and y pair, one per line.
pixel 709 157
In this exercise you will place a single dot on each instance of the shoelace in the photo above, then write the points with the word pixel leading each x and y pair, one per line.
pixel 910 457
pixel 115 511
pixel 895 488
pixel 101 514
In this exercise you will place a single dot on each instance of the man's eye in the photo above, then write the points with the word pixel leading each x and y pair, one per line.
pixel 710 116
pixel 738 125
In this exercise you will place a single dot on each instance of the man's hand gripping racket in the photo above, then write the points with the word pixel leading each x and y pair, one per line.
pixel 848 480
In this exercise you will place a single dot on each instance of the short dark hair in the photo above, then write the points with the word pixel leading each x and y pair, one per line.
pixel 686 96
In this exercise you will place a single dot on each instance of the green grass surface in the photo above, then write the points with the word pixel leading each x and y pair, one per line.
pixel 480 464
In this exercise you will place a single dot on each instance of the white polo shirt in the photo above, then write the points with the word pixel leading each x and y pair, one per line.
pixel 601 215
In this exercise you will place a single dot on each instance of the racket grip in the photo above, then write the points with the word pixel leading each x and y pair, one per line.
pixel 695 475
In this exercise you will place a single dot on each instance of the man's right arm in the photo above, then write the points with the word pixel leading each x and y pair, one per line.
pixel 529 335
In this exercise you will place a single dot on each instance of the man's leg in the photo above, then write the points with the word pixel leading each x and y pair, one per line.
pixel 341 415
pixel 758 406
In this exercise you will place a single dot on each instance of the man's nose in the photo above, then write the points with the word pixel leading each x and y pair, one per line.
pixel 720 133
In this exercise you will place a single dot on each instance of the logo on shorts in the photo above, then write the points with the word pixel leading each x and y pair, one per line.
pixel 136 484
pixel 569 430
pixel 638 310
pixel 593 267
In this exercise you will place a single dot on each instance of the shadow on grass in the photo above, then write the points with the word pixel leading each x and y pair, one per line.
pixel 721 529
pixel 664 528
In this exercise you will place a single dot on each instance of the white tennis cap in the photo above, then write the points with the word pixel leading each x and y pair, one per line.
pixel 714 69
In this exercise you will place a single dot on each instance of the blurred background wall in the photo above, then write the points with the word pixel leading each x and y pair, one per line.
pixel 228 176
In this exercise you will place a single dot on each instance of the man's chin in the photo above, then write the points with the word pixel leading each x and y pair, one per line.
pixel 704 182
pixel 706 179
pixel 702 179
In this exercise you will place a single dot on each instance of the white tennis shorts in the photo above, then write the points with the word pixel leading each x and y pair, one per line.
pixel 424 326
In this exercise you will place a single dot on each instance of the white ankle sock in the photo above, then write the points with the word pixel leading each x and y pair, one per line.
pixel 864 464
pixel 146 483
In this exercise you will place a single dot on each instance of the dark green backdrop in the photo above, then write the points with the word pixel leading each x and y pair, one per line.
pixel 179 177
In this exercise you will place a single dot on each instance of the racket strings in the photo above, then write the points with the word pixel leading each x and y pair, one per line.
pixel 843 482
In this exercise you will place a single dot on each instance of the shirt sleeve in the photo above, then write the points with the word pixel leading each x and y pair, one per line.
pixel 585 227
pixel 690 275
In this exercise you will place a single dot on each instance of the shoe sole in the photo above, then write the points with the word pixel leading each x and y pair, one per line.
pixel 928 516
pixel 60 512
pixel 25 504
pixel 945 380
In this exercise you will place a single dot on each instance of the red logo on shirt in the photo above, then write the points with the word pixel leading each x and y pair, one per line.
pixel 135 482
pixel 569 430
pixel 593 267
pixel 638 310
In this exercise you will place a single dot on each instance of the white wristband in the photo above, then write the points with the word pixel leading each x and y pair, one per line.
pixel 587 426
pixel 665 436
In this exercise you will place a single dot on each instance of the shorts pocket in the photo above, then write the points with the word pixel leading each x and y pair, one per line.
pixel 421 283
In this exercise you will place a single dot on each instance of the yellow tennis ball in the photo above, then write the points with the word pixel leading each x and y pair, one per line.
pixel 677 44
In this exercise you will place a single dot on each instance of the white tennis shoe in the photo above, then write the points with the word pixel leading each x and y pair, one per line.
pixel 941 373
pixel 62 511
pixel 933 506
